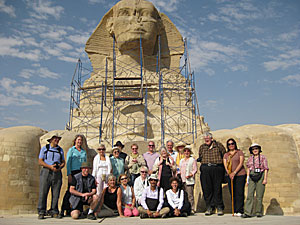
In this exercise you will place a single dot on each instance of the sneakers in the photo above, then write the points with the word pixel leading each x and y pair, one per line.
pixel 245 216
pixel 143 215
pixel 220 212
pixel 238 214
pixel 41 216
pixel 91 216
pixel 184 214
pixel 208 212
pixel 192 212
pixel 56 216
pixel 259 215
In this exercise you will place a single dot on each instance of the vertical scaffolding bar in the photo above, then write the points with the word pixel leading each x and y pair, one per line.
pixel 105 81
pixel 114 75
pixel 101 115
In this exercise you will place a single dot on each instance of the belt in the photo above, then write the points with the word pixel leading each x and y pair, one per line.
pixel 211 164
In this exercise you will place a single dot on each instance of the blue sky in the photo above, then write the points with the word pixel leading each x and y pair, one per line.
pixel 245 54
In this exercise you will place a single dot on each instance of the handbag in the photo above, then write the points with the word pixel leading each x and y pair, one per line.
pixel 256 176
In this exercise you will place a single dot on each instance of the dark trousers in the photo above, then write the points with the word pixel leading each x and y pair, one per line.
pixel 48 179
pixel 238 192
pixel 211 181
pixel 132 178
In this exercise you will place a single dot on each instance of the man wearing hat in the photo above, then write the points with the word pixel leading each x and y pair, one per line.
pixel 83 192
pixel 52 160
pixel 152 201
pixel 212 174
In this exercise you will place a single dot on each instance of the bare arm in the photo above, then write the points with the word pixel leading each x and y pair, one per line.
pixel 133 197
pixel 119 202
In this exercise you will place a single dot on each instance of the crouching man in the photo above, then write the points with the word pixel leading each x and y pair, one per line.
pixel 83 192
pixel 152 200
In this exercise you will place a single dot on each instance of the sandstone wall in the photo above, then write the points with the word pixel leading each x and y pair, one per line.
pixel 19 172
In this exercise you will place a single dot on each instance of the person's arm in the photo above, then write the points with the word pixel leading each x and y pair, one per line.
pixel 161 199
pixel 143 199
pixel 62 165
pixel 225 164
pixel 133 198
pixel 265 177
pixel 248 176
pixel 265 164
pixel 181 199
pixel 75 192
pixel 119 202
pixel 194 169
pixel 69 162
pixel 170 199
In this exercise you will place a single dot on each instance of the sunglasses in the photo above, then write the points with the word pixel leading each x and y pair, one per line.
pixel 255 148
pixel 134 148
pixel 143 172
pixel 231 143
pixel 152 180
pixel 124 178
pixel 151 145
pixel 101 149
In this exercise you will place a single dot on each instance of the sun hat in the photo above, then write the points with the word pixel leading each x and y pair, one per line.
pixel 153 176
pixel 85 165
pixel 53 136
pixel 180 144
pixel 189 148
pixel 119 144
pixel 254 145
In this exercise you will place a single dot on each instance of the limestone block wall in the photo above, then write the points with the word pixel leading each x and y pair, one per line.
pixel 280 144
pixel 19 149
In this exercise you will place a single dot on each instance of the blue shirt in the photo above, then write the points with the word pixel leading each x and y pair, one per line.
pixel 74 159
pixel 117 166
pixel 53 155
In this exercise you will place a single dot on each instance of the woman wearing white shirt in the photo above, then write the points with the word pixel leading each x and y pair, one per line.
pixel 188 169
pixel 175 197
pixel 140 184
pixel 101 168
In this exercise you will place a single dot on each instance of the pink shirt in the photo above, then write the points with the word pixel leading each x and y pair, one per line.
pixel 263 163
pixel 183 166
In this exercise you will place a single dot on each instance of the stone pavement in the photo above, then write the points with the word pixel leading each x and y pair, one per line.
pixel 198 219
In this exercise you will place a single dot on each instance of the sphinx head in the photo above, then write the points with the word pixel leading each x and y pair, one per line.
pixel 132 20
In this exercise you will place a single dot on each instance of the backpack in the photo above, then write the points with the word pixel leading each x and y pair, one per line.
pixel 48 150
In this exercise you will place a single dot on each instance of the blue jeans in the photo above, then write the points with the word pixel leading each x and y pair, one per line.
pixel 48 179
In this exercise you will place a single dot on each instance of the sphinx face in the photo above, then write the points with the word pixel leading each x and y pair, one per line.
pixel 133 19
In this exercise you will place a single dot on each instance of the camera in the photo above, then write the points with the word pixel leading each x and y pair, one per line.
pixel 56 165
pixel 257 170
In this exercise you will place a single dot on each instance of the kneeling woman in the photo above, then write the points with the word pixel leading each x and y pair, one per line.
pixel 126 198
pixel 256 180
pixel 175 197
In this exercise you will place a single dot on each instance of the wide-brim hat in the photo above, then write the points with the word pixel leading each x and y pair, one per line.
pixel 85 165
pixel 153 176
pixel 254 145
pixel 189 148
pixel 53 136
pixel 115 148
pixel 180 144
pixel 119 144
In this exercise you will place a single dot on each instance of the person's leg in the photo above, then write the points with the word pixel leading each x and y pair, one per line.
pixel 56 182
pixel 206 184
pixel 164 211
pixel 190 191
pixel 75 214
pixel 260 191
pixel 239 193
pixel 127 212
pixel 142 212
pixel 43 191
pixel 250 197
pixel 100 184
pixel 135 212
pixel 217 177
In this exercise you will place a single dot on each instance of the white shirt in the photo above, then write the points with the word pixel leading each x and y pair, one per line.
pixel 148 193
pixel 173 155
pixel 100 166
pixel 139 186
pixel 174 200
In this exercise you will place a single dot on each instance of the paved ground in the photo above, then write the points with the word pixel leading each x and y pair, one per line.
pixel 198 219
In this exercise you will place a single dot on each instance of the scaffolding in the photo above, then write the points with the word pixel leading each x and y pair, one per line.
pixel 120 101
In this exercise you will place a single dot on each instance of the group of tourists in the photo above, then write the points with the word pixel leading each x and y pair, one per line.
pixel 149 185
